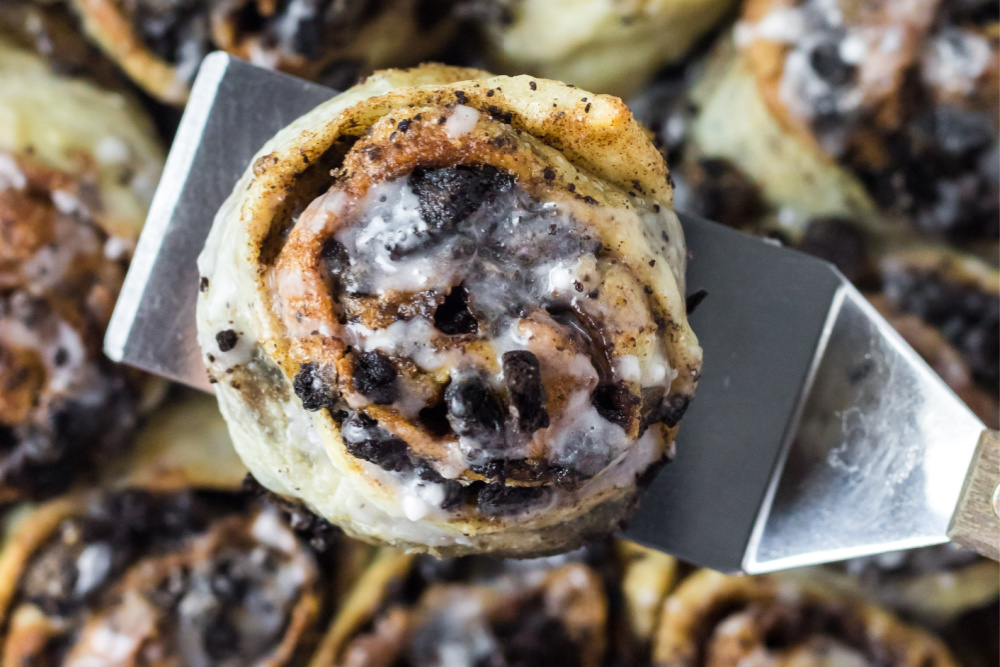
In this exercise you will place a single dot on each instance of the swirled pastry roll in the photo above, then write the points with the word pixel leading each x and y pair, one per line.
pixel 161 44
pixel 141 578
pixel 881 110
pixel 563 610
pixel 446 311
pixel 957 294
pixel 51 30
pixel 935 584
pixel 610 46
pixel 715 620
pixel 168 563
pixel 77 169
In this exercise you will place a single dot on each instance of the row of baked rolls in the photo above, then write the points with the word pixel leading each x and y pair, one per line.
pixel 878 110
pixel 608 604
pixel 77 169
pixel 446 310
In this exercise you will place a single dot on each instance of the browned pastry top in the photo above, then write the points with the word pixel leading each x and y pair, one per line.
pixel 433 268
pixel 466 293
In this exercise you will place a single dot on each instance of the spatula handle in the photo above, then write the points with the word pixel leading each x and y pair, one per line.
pixel 976 522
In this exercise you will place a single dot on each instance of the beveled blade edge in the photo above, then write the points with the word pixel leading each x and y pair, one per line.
pixel 161 210
pixel 878 461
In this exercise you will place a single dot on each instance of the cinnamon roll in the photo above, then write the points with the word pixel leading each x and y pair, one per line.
pixel 935 584
pixel 418 611
pixel 608 46
pixel 160 43
pixel 169 565
pixel 446 311
pixel 51 30
pixel 77 168
pixel 140 578
pixel 878 110
pixel 714 619
pixel 957 294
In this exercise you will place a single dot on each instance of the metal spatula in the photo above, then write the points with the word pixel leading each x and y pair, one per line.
pixel 815 435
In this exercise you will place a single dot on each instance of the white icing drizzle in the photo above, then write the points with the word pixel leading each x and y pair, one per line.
pixel 461 121
pixel 11 175
pixel 954 60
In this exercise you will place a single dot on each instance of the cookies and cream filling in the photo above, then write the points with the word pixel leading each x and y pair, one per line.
pixel 143 578
pixel 467 612
pixel 61 402
pixel 436 328
pixel 716 620
pixel 475 355
pixel 903 94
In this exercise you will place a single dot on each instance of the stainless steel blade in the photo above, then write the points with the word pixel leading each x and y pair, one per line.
pixel 883 445
pixel 233 109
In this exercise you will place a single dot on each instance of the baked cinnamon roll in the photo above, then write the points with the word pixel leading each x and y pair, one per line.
pixel 140 578
pixel 957 294
pixel 169 565
pixel 608 46
pixel 879 110
pixel 713 619
pixel 446 311
pixel 77 169
pixel 160 43
pixel 934 584
pixel 418 611
pixel 51 30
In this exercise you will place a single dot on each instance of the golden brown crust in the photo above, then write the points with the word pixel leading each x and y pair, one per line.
pixel 109 27
pixel 714 619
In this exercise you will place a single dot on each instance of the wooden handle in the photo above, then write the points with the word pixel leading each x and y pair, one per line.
pixel 976 522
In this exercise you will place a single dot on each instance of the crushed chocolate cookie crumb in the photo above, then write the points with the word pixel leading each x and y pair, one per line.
pixel 315 386
pixel 694 300
pixel 226 340
pixel 375 377
pixel 522 375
